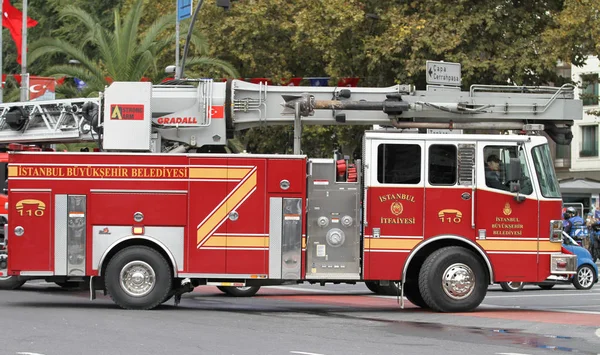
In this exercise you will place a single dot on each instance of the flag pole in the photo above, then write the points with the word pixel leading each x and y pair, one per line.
pixel 24 75
pixel 177 42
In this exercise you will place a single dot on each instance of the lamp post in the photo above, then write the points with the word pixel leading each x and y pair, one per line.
pixel 225 4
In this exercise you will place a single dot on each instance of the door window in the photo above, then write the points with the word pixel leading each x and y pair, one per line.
pixel 399 164
pixel 497 163
pixel 442 164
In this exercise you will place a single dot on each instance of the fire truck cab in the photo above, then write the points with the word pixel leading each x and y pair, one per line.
pixel 433 217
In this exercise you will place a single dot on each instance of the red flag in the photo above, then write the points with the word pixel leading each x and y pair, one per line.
pixel 41 86
pixel 12 19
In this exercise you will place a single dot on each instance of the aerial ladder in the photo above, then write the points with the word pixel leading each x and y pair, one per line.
pixel 190 114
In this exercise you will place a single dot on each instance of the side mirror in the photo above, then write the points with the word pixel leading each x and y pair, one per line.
pixel 513 175
pixel 514 170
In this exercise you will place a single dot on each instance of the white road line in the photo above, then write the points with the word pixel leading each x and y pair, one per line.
pixel 511 354
pixel 27 353
pixel 304 353
pixel 598 332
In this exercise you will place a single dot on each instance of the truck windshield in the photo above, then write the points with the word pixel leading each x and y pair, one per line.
pixel 545 171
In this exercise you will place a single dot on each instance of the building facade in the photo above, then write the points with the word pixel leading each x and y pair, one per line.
pixel 578 165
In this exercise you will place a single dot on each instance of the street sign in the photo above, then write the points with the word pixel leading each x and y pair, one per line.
pixel 184 9
pixel 443 73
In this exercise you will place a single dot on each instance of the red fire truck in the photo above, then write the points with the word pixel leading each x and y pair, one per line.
pixel 434 217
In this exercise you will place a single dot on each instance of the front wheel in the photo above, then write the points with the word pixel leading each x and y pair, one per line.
pixel 239 291
pixel 584 279
pixel 138 277
pixel 512 286
pixel 10 282
pixel 453 279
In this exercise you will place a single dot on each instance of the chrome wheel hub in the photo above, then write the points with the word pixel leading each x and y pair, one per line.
pixel 137 278
pixel 585 277
pixel 514 285
pixel 458 281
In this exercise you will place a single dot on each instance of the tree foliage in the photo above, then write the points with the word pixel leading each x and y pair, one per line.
pixel 124 54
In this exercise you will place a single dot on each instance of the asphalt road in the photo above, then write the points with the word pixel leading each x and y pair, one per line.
pixel 304 320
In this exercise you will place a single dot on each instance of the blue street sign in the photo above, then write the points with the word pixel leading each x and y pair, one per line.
pixel 184 9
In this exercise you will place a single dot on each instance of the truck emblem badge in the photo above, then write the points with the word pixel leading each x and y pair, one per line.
pixel 507 210
pixel 465 196
pixel 397 208
pixel 104 231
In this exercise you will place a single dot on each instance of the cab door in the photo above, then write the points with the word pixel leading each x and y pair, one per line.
pixel 506 223
pixel 450 189
pixel 394 205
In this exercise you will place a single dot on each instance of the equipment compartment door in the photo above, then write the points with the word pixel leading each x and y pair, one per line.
pixel 395 204
pixel 247 239
pixel 205 252
pixel 506 228
pixel 30 246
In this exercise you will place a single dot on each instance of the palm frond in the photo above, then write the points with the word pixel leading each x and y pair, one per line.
pixel 47 46
pixel 213 62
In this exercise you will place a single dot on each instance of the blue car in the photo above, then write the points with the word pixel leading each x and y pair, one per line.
pixel 584 279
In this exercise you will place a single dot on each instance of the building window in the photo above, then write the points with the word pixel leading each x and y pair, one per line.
pixel 563 151
pixel 399 164
pixel 442 164
pixel 589 141
pixel 589 94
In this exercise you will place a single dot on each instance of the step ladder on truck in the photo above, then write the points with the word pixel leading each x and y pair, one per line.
pixel 148 217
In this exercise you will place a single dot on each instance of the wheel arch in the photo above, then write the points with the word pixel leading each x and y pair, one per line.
pixel 141 240
pixel 417 256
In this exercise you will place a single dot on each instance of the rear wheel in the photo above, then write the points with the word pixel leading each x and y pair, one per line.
pixel 584 279
pixel 452 279
pixel 239 291
pixel 138 277
pixel 413 295
pixel 392 289
pixel 372 286
pixel 10 282
pixel 512 286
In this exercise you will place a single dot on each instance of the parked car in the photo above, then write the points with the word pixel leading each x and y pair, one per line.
pixel 584 279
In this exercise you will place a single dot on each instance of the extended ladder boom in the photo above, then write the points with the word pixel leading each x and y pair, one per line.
pixel 47 122
pixel 201 112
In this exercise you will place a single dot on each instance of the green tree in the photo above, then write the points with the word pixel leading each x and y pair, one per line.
pixel 124 54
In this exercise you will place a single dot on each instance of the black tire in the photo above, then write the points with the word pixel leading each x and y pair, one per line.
pixel 413 295
pixel 372 286
pixel 392 289
pixel 235 291
pixel 11 282
pixel 512 286
pixel 584 278
pixel 546 287
pixel 146 260
pixel 448 262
